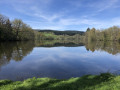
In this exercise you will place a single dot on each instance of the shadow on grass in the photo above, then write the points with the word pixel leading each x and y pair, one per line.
pixel 85 82
pixel 5 82
pixel 35 86
pixel 82 83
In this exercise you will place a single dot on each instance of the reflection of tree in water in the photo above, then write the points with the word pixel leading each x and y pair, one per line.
pixel 110 47
pixel 14 51
pixel 22 49
pixel 18 50
pixel 90 46
pixel 56 43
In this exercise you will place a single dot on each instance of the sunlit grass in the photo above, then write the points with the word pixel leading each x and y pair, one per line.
pixel 89 82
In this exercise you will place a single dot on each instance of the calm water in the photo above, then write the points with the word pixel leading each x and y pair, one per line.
pixel 61 60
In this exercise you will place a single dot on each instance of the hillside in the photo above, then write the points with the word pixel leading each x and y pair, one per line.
pixel 65 32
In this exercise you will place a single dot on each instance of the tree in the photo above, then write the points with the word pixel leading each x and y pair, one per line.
pixel 88 29
pixel 22 31
pixel 91 35
pixel 5 28
pixel 87 34
pixel 17 24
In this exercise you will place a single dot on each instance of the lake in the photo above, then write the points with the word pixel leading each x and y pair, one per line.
pixel 57 59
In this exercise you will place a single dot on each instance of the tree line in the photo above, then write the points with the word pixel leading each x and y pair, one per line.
pixel 53 36
pixel 18 30
pixel 66 32
pixel 110 34
pixel 14 30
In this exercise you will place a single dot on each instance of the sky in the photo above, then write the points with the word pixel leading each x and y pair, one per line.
pixel 63 14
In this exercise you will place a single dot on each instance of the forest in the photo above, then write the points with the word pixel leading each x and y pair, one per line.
pixel 17 30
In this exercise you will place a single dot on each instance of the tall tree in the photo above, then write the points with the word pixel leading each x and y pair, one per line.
pixel 17 24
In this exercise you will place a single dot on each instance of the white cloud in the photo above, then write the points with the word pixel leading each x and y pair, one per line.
pixel 102 6
pixel 107 5
pixel 46 19
pixel 54 27
pixel 62 23
pixel 41 14
pixel 77 21
pixel 35 10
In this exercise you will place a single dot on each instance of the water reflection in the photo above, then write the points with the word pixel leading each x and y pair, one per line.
pixel 37 59
pixel 58 43
pixel 14 51
pixel 108 46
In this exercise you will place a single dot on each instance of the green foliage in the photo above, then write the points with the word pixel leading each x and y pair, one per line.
pixel 91 35
pixel 4 82
pixel 104 81
pixel 105 76
pixel 15 30
pixel 110 34
pixel 5 28
pixel 52 36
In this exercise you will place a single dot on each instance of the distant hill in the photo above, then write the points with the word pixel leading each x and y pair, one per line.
pixel 66 32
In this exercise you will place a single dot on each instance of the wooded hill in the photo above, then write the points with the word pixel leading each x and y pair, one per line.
pixel 66 32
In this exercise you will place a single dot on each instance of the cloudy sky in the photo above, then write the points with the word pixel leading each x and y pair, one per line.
pixel 63 14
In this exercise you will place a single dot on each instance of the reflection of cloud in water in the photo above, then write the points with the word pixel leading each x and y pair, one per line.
pixel 61 62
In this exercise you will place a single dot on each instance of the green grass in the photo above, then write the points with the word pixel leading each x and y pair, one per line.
pixel 89 82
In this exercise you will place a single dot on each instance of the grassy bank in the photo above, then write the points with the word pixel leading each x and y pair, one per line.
pixel 89 82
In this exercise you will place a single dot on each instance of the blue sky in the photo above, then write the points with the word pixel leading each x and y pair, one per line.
pixel 63 14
